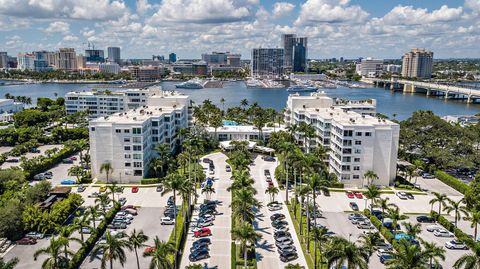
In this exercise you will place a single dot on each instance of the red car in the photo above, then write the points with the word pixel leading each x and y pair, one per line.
pixel 202 232
pixel 26 241
pixel 134 189
pixel 350 194
pixel 149 250
pixel 73 158
pixel 358 195
pixel 270 184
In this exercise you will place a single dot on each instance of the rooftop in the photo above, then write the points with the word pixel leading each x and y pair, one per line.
pixel 348 117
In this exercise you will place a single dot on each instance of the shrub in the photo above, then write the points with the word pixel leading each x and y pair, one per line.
pixel 46 163
pixel 147 181
pixel 338 185
pixel 453 182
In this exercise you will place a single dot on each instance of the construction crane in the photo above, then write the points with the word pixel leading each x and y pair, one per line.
pixel 89 45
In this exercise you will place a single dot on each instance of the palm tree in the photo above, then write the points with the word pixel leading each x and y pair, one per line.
pixel 369 242
pixel 102 200
pixel 314 183
pixel 441 199
pixel 55 260
pixel 470 260
pixel 8 265
pixel 458 208
pixel 413 229
pixel 301 191
pixel 112 189
pixel 394 214
pixel 208 190
pixel 406 255
pixel 222 100
pixel 244 103
pixel 137 240
pixel 341 251
pixel 433 253
pixel 243 203
pixel 82 222
pixel 372 193
pixel 76 171
pixel 160 254
pixel 319 236
pixel 384 205
pixel 245 234
pixel 107 168
pixel 64 234
pixel 474 218
pixel 112 249
pixel 272 191
pixel 164 157
pixel 370 176
pixel 286 149
pixel 93 212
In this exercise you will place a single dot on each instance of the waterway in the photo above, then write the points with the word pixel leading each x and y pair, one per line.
pixel 388 103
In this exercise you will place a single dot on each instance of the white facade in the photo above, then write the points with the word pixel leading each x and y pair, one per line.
pixel 8 107
pixel 358 142
pixel 127 140
pixel 102 103
pixel 370 67
pixel 241 132
pixel 111 68
pixel 25 62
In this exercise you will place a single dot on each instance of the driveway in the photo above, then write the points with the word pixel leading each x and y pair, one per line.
pixel 220 248
pixel 30 155
pixel 266 251
pixel 435 185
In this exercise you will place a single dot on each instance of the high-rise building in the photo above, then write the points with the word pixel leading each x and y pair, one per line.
pixel 3 59
pixel 114 54
pixel 300 55
pixel 357 140
pixel 215 58
pixel 66 59
pixel 42 60
pixel 111 68
pixel 26 61
pixel 233 60
pixel 172 57
pixel 370 67
pixel 94 55
pixel 288 41
pixel 417 63
pixel 267 63
pixel 81 61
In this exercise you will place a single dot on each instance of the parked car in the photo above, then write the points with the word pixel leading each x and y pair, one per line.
pixel 268 158
pixel 354 206
pixel 67 161
pixel 277 216
pixel 228 168
pixel 205 223
pixel 355 215
pixel 40 176
pixel 86 230
pixel 34 150
pixel 359 195
pixel 274 206
pixel 270 184
pixel 134 189
pixel 288 256
pixel 425 219
pixel 68 182
pixel 93 195
pixel 326 192
pixel 281 228
pixel 208 217
pixel 410 196
pixel 167 221
pixel 278 223
pixel 73 158
pixel 199 255
pixel 12 160
pixel 81 188
pixel 455 244
pixel 204 240
pixel 365 225
pixel 283 241
pixel 350 194
pixel 427 176
pixel 442 233
pixel 433 228
pixel 202 232
pixel 149 250
pixel 102 188
pixel 279 234
pixel 385 257
pixel 198 247
pixel 117 225
pixel 286 248
pixel 382 251
pixel 26 241
pixel 34 235
pixel 402 195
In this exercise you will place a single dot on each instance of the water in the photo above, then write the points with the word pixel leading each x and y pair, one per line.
pixel 388 102
pixel 230 123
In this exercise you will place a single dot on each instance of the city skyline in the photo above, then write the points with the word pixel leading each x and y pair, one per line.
pixel 143 28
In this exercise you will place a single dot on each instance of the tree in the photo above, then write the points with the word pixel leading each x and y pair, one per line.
pixel 433 253
pixel 384 205
pixel 208 190
pixel 394 214
pixel 272 191
pixel 112 189
pixel 413 229
pixel 65 234
pixel 222 100
pixel 458 208
pixel 76 171
pixel 243 203
pixel 341 251
pixel 319 236
pixel 54 260
pixel 470 260
pixel 107 168
pixel 244 103
pixel 245 234
pixel 369 242
pixel 137 240
pixel 160 254
pixel 102 200
pixel 441 199
pixel 370 176
pixel 81 222
pixel 372 193
pixel 112 249
pixel 406 255
pixel 8 264
pixel 474 218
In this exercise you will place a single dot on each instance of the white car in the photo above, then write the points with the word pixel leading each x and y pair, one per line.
pixel 274 207
pixel 402 195
pixel 212 172
pixel 433 228
pixel 205 223
pixel 167 221
pixel 442 233
pixel 381 251
pixel 455 244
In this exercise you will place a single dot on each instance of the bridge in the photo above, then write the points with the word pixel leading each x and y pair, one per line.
pixel 470 94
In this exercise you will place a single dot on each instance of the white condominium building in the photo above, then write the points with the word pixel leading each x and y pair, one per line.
pixel 128 139
pixel 102 103
pixel 358 141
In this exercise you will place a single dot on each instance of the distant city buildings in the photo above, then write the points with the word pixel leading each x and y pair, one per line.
pixel 418 63
pixel 8 107
pixel 110 68
pixel 295 53
pixel 146 73
pixel 3 59
pixel 114 55
pixel 190 68
pixel 172 57
pixel 66 59
pixel 267 63
pixel 25 62
pixel 370 67
pixel 392 68
pixel 94 55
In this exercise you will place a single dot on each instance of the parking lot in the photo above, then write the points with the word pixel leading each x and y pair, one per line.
pixel 28 155
pixel 220 247
pixel 60 171
pixel 266 250
pixel 435 185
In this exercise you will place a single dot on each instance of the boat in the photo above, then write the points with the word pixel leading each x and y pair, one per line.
pixel 302 88
pixel 191 84
pixel 254 83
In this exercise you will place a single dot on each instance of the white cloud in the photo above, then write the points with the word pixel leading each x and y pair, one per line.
pixel 143 6
pixel 200 11
pixel 58 27
pixel 330 11
pixel 473 4
pixel 405 15
pixel 282 8
pixel 70 38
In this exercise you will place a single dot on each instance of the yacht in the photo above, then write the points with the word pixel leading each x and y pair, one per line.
pixel 302 88
pixel 191 84
pixel 254 83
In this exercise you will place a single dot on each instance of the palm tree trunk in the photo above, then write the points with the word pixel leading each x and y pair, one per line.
pixel 286 182
pixel 111 263
pixel 476 226
pixel 315 254
pixel 136 256
pixel 308 227
pixel 245 256
pixel 175 226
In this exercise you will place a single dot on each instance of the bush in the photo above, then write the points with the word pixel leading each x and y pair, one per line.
pixel 378 224
pixel 338 185
pixel 453 182
pixel 147 181
pixel 33 168
pixel 451 227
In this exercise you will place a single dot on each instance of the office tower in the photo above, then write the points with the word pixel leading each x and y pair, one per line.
pixel 267 63
pixel 288 41
pixel 417 63
pixel 66 59
pixel 25 61
pixel 370 67
pixel 172 57
pixel 3 59
pixel 81 61
pixel 233 60
pixel 110 68
pixel 114 54
pixel 127 140
pixel 42 60
pixel 94 55
pixel 356 140
pixel 215 58
pixel 300 55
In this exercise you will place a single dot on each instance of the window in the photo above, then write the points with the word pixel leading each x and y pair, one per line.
pixel 356 160
pixel 358 142
pixel 137 156
pixel 155 132
pixel 127 131
pixel 137 173
pixel 137 130
pixel 154 123
pixel 356 168
pixel 128 164
pixel 126 139
pixel 167 119
pixel 347 133
pixel 137 164
pixel 137 148
pixel 358 151
pixel 368 134
pixel 93 129
pixel 128 156
pixel 346 159
pixel 126 147
pixel 118 131
pixel 358 133
pixel 137 139
pixel 356 176
pixel 154 139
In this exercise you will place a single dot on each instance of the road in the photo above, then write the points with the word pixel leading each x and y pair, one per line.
pixel 266 251
pixel 220 248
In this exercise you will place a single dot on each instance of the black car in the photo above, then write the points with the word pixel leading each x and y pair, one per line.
pixel 159 188
pixel 266 172
pixel 410 196
pixel 198 255
pixel 354 206
pixel 208 206
pixel 425 219
pixel 203 240
pixel 206 160
pixel 277 216
pixel 199 248
pixel 326 192
pixel 279 234
pixel 288 256
pixel 278 223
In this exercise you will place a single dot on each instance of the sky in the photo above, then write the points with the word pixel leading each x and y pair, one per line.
pixel 335 28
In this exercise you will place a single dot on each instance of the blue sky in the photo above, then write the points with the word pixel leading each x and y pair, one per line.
pixel 336 28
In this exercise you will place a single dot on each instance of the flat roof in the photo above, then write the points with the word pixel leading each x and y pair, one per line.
pixel 347 117
pixel 244 129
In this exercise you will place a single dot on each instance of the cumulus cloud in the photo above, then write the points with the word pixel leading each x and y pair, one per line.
pixel 473 4
pixel 70 38
pixel 282 9
pixel 75 9
pixel 58 27
pixel 409 15
pixel 330 11
pixel 201 11
pixel 143 6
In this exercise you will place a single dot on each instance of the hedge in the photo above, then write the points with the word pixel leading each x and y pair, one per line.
pixel 453 182
pixel 382 229
pixel 87 247
pixel 451 227
pixel 181 236
pixel 147 181
pixel 48 163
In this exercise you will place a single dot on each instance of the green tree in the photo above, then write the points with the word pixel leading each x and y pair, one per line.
pixel 458 208
pixel 245 234
pixel 208 190
pixel 319 236
pixel 406 255
pixel 470 260
pixel 441 199
pixel 341 251
pixel 137 240
pixel 370 176
pixel 8 264
pixel 413 230
pixel 372 193
pixel 474 218
pixel 107 168
pixel 54 258
pixel 160 255
pixel 111 250
pixel 272 191
pixel 369 242
pixel 433 253
pixel 76 171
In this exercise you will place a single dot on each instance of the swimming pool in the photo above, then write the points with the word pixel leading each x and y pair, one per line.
pixel 230 123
